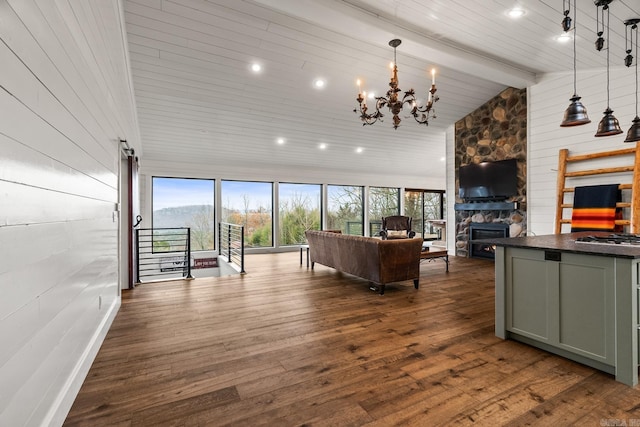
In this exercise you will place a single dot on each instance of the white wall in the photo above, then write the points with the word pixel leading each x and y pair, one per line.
pixel 65 100
pixel 451 188
pixel 547 101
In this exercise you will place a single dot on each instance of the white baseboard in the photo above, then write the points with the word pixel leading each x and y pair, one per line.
pixel 62 405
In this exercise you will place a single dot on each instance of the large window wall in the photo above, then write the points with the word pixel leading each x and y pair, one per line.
pixel 250 204
pixel 299 211
pixel 345 209
pixel 277 214
pixel 383 201
pixel 422 206
pixel 184 202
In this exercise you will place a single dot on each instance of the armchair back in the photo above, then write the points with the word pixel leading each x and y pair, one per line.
pixel 397 227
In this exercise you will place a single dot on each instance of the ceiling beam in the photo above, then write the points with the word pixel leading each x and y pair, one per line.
pixel 353 19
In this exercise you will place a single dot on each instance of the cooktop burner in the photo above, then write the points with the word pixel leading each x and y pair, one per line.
pixel 612 239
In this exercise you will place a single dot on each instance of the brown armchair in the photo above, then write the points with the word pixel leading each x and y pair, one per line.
pixel 397 227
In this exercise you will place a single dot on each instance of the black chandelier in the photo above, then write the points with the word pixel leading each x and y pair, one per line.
pixel 421 114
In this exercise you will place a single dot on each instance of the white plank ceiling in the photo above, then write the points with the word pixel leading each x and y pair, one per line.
pixel 199 102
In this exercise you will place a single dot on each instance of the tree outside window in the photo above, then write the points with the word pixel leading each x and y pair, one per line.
pixel 383 201
pixel 299 211
pixel 345 211
pixel 249 204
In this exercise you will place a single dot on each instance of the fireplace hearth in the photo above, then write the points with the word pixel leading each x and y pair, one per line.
pixel 478 231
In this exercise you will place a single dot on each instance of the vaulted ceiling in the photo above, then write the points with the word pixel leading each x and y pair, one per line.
pixel 199 101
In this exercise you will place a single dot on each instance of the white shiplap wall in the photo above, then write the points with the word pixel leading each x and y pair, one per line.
pixel 65 100
pixel 547 101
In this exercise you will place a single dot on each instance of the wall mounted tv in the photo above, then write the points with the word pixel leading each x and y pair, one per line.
pixel 488 181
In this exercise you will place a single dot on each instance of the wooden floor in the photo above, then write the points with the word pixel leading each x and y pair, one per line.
pixel 288 346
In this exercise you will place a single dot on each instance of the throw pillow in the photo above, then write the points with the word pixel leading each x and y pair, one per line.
pixel 396 234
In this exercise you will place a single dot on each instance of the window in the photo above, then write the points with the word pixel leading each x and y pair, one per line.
pixel 299 211
pixel 249 204
pixel 423 205
pixel 383 202
pixel 184 202
pixel 345 211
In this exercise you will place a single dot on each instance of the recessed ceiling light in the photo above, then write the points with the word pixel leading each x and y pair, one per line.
pixel 322 146
pixel 256 68
pixel 516 12
pixel 359 150
pixel 563 38
pixel 442 159
pixel 371 95
pixel 319 83
pixel 280 141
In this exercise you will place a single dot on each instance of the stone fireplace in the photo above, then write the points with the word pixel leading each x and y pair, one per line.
pixel 482 230
pixel 495 131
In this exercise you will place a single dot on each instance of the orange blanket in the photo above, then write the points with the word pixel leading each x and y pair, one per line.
pixel 594 208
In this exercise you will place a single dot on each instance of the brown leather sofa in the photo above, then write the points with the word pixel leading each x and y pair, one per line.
pixel 379 261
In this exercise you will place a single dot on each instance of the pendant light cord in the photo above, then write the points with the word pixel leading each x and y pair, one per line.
pixel 636 31
pixel 575 90
pixel 608 12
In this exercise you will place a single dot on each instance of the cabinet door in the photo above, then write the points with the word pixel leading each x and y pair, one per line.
pixel 569 304
pixel 586 306
pixel 529 295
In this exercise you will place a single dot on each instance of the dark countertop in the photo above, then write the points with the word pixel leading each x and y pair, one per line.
pixel 566 243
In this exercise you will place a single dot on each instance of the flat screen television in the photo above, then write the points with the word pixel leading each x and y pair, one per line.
pixel 488 181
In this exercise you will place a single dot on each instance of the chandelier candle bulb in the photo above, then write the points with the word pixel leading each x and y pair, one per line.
pixel 433 77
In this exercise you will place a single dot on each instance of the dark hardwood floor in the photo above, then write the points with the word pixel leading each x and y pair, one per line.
pixel 285 345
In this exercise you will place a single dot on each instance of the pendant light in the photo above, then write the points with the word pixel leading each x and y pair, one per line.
pixel 576 113
pixel 633 134
pixel 609 124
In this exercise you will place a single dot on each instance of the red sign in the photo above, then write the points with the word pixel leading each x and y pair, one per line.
pixel 205 262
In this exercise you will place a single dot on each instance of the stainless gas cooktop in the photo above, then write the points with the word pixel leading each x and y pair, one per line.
pixel 612 239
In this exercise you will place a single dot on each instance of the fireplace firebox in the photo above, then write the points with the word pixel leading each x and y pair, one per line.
pixel 480 230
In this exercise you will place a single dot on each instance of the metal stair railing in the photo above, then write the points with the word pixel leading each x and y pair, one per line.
pixel 231 243
pixel 163 253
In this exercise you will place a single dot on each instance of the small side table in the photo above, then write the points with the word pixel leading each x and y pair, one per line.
pixel 303 247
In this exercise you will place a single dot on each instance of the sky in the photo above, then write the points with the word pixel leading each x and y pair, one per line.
pixel 175 192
